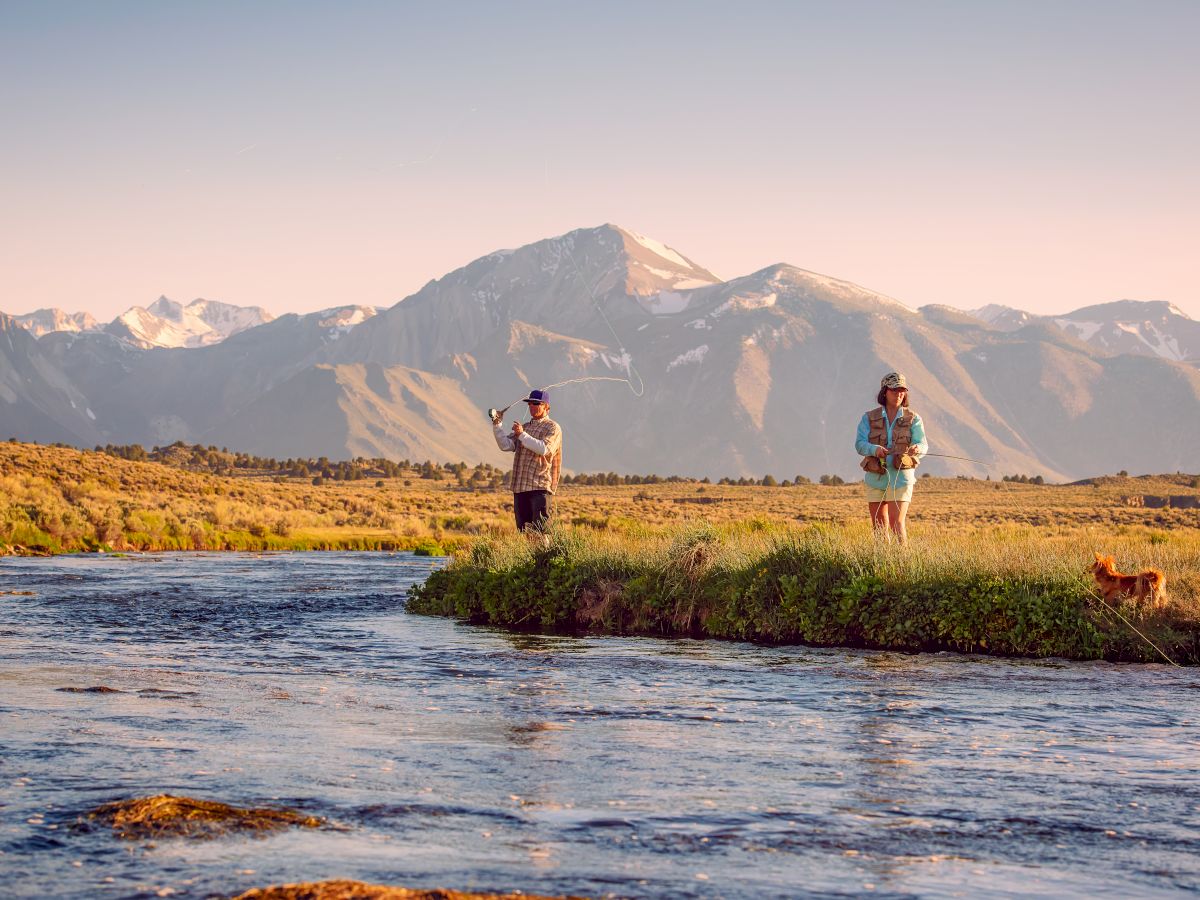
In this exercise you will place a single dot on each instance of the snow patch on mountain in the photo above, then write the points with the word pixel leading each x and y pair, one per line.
pixel 620 362
pixel 339 320
pixel 678 281
pixel 1148 328
pixel 689 284
pixel 745 302
pixel 661 273
pixel 660 249
pixel 1165 345
pixel 1085 331
pixel 788 278
pixel 1162 345
pixel 665 303
pixel 695 355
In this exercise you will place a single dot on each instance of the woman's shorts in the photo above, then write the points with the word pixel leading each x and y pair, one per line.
pixel 901 493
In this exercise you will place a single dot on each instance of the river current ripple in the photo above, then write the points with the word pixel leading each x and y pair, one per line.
pixel 468 758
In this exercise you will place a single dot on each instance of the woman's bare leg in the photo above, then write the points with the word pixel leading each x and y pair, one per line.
pixel 879 516
pixel 897 512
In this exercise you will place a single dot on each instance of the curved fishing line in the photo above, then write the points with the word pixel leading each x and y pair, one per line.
pixel 638 391
pixel 1134 629
pixel 964 458
pixel 628 360
pixel 891 487
pixel 558 384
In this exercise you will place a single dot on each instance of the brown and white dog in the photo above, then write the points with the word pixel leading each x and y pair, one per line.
pixel 1149 586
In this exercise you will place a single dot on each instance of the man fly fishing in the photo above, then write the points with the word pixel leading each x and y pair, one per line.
pixel 538 448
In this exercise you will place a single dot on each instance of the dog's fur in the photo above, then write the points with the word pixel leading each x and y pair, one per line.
pixel 1149 586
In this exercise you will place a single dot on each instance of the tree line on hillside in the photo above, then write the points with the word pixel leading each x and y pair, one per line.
pixel 222 461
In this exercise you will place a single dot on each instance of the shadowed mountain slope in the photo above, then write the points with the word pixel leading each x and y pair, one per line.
pixel 156 396
pixel 764 373
pixel 362 410
pixel 36 396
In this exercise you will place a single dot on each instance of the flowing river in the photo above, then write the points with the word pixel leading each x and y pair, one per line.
pixel 472 759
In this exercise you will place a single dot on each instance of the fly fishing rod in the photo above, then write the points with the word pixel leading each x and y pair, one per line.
pixel 891 487
pixel 979 462
pixel 497 415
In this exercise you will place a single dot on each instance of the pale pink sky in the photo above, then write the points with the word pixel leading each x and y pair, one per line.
pixel 300 156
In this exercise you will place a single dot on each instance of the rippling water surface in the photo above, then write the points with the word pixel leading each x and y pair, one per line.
pixel 460 757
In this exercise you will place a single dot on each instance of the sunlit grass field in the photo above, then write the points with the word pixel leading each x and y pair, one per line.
pixel 662 558
pixel 60 499
pixel 54 499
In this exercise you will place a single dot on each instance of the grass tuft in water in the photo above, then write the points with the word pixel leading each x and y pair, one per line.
pixel 358 890
pixel 164 815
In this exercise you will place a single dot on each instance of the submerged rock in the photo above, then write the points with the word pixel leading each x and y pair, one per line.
pixel 98 689
pixel 167 816
pixel 359 890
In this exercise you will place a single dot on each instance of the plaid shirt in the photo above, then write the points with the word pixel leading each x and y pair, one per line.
pixel 531 471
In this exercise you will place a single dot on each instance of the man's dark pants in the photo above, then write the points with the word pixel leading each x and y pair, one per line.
pixel 533 508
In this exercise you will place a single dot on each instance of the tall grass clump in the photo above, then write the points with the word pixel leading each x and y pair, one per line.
pixel 1013 593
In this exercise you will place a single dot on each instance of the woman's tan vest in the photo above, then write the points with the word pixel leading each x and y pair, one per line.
pixel 901 438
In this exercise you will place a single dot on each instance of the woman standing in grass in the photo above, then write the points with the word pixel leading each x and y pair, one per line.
pixel 890 440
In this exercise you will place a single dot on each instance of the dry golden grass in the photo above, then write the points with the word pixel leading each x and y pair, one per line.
pixel 57 499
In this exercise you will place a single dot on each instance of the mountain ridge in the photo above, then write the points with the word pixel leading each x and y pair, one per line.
pixel 764 372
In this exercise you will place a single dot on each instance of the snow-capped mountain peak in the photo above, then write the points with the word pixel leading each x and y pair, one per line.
pixel 1144 328
pixel 227 319
pixel 166 323
pixel 44 321
pixel 657 275
pixel 660 249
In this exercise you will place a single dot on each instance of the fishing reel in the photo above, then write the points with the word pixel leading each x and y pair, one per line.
pixel 496 415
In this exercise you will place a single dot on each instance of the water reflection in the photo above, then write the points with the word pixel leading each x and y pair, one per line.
pixel 473 758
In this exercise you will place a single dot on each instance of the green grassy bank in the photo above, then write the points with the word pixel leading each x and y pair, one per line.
pixel 1008 593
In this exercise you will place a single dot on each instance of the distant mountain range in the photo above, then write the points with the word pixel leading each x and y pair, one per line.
pixel 1126 326
pixel 164 323
pixel 764 373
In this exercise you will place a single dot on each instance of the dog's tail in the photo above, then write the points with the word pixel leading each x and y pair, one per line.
pixel 1156 579
pixel 1153 584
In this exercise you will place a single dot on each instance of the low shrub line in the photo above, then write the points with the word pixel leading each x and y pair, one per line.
pixel 816 587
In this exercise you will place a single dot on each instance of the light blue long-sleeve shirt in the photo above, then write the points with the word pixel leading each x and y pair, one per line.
pixel 895 478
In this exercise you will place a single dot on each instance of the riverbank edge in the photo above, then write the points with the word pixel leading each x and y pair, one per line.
pixel 243 542
pixel 806 595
